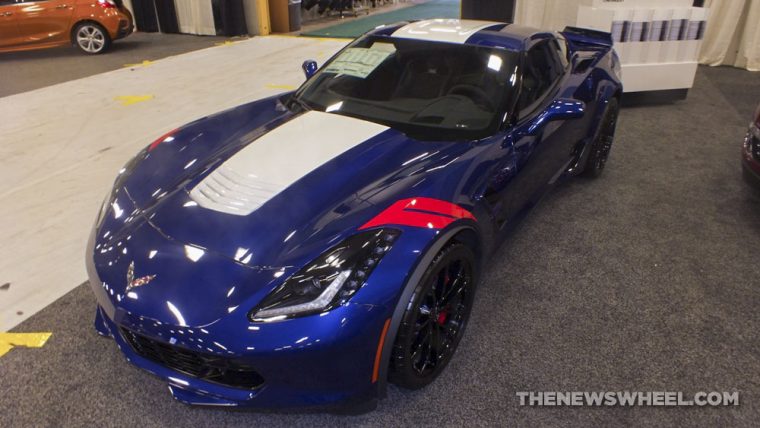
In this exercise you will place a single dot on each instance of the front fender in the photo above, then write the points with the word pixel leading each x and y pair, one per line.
pixel 404 267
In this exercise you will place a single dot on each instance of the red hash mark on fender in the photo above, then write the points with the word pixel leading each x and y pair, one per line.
pixel 420 212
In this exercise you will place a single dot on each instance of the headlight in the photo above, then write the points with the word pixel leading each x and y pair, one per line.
pixel 328 281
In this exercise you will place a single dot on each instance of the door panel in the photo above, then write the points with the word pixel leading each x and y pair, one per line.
pixel 501 178
pixel 540 158
pixel 9 34
pixel 541 150
pixel 45 21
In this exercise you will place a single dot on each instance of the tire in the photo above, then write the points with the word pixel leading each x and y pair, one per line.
pixel 431 329
pixel 91 38
pixel 600 148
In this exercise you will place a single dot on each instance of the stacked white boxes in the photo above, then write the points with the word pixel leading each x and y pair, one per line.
pixel 657 41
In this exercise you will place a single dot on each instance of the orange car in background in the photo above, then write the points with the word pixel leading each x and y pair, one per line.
pixel 91 25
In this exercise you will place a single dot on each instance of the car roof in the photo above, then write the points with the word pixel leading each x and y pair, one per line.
pixel 464 31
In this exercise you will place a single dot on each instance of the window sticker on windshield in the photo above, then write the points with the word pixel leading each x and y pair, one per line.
pixel 358 62
pixel 384 46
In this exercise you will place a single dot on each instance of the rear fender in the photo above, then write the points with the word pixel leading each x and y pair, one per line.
pixel 605 92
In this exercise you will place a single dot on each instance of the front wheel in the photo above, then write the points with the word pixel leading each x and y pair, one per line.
pixel 435 318
pixel 91 38
pixel 600 148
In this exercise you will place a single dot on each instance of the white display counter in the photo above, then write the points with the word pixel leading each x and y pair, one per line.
pixel 657 41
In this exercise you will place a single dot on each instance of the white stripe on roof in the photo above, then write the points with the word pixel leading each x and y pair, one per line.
pixel 443 30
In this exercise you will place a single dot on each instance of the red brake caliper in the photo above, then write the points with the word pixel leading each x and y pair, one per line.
pixel 444 312
pixel 442 316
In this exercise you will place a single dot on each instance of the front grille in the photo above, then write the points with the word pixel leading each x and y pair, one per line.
pixel 202 366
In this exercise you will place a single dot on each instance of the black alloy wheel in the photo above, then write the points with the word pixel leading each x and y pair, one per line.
pixel 600 150
pixel 435 318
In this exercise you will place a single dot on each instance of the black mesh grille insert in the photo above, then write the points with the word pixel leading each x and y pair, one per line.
pixel 203 366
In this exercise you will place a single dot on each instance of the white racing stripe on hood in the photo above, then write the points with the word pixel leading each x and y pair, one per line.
pixel 278 159
pixel 443 30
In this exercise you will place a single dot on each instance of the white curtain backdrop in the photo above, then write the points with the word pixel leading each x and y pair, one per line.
pixel 732 36
pixel 548 14
pixel 195 17
pixel 128 5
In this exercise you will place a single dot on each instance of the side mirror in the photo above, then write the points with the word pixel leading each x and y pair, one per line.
pixel 309 68
pixel 561 109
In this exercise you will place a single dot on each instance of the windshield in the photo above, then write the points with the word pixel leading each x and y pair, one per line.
pixel 429 90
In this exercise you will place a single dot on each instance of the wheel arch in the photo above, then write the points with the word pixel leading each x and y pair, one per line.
pixel 464 232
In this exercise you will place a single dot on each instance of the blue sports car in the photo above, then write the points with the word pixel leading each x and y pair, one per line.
pixel 304 250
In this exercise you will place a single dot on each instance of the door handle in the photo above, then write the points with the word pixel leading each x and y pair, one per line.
pixel 7 13
pixel 62 6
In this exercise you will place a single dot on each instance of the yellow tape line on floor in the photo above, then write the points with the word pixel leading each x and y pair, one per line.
pixel 145 63
pixel 29 340
pixel 128 100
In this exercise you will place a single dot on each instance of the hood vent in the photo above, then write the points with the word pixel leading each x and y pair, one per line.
pixel 227 191
pixel 275 161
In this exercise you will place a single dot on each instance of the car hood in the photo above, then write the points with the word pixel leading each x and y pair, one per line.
pixel 289 224
pixel 277 190
pixel 168 282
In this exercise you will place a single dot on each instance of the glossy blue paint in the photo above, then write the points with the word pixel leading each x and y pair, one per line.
pixel 561 109
pixel 211 269
pixel 310 68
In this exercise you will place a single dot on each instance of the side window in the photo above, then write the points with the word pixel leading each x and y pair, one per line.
pixel 7 2
pixel 543 68
pixel 562 51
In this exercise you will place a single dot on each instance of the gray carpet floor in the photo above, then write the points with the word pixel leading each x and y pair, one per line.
pixel 645 280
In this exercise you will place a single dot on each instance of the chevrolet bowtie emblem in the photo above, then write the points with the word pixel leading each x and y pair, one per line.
pixel 133 282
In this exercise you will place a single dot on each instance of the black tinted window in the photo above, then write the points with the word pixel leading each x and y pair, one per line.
pixel 563 53
pixel 543 68
pixel 427 89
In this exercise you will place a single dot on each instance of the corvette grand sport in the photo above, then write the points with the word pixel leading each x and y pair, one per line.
pixel 304 250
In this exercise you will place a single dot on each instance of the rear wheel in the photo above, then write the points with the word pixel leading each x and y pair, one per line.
pixel 91 38
pixel 600 148
pixel 435 318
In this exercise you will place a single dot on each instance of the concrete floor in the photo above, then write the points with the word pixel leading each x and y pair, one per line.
pixel 62 145
pixel 644 280
pixel 26 71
